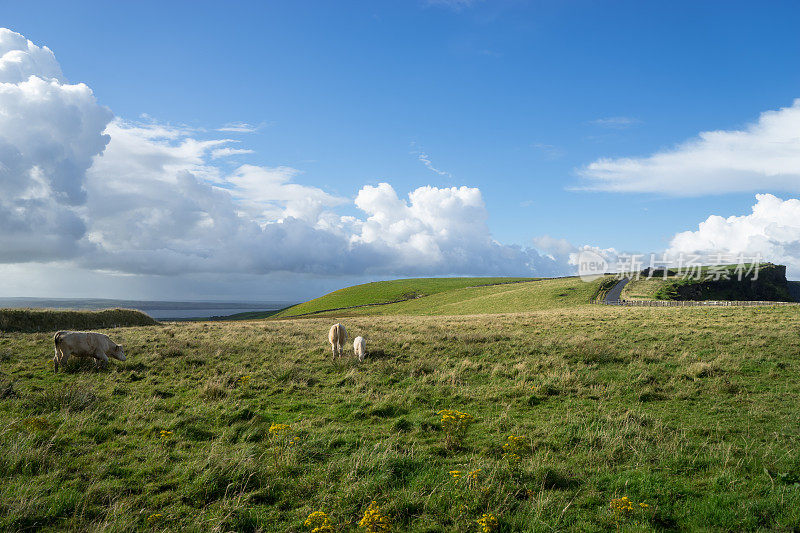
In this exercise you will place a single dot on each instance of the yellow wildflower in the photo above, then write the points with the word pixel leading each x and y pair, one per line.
pixel 374 521
pixel 623 506
pixel 454 425
pixel 320 522
pixel 514 447
pixel 472 477
pixel 279 429
pixel 488 522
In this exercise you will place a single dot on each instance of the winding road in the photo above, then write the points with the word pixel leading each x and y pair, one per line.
pixel 615 293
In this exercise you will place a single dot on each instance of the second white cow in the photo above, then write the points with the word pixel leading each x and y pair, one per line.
pixel 360 348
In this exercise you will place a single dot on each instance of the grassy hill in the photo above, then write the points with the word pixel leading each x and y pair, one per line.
pixel 507 298
pixel 249 426
pixel 456 296
pixel 381 292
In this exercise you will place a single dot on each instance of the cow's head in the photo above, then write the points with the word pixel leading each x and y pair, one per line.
pixel 117 353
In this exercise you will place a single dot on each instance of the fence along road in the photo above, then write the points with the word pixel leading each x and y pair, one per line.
pixel 691 303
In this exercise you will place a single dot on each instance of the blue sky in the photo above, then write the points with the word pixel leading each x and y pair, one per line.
pixel 513 98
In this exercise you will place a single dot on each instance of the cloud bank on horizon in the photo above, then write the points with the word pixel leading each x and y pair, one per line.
pixel 103 193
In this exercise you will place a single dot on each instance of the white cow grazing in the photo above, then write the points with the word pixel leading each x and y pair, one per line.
pixel 360 348
pixel 337 336
pixel 85 344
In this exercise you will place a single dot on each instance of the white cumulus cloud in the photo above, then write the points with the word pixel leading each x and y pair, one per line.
pixel 49 132
pixel 763 155
pixel 772 230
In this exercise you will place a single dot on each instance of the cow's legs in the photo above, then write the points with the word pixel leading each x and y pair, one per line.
pixel 56 359
pixel 333 349
pixel 100 358
pixel 61 358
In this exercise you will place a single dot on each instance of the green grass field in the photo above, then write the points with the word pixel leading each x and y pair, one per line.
pixel 673 408
pixel 388 291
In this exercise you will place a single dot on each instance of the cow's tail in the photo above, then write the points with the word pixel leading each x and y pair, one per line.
pixel 58 337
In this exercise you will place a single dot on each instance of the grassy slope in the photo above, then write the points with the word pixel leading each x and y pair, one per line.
pixel 642 289
pixel 674 408
pixel 509 298
pixel 387 291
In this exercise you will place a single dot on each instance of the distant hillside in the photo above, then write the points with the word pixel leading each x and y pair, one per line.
pixel 31 320
pixel 770 284
pixel 452 298
pixel 381 292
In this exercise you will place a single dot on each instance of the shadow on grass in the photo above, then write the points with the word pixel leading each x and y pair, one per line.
pixel 85 364
pixel 378 354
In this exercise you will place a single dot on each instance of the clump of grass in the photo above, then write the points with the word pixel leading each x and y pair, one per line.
pixel 171 351
pixel 700 369
pixel 7 391
pixel 214 389
pixel 74 397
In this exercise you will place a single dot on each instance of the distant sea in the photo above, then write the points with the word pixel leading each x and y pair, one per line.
pixel 160 310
